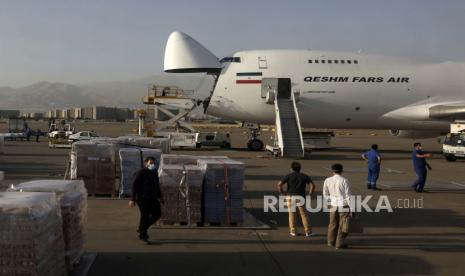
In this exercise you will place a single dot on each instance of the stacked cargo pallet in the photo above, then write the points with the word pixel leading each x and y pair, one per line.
pixel 98 162
pixel 223 191
pixel 131 161
pixel 219 183
pixel 178 159
pixel 72 199
pixel 2 144
pixel 31 236
pixel 95 164
pixel 146 142
pixel 183 197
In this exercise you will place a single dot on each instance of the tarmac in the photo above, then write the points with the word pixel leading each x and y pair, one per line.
pixel 409 241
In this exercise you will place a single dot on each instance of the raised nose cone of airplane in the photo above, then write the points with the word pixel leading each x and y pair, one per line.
pixel 183 54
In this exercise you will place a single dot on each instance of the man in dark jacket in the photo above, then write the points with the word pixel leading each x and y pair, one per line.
pixel 147 195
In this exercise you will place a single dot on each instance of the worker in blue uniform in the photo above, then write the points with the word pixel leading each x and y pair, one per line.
pixel 373 159
pixel 420 166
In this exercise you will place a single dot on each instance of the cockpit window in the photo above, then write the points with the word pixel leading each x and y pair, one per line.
pixel 455 139
pixel 230 59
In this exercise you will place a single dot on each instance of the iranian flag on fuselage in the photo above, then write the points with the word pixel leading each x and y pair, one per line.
pixel 248 77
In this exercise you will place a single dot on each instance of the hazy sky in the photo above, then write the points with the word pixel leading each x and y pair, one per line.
pixel 97 40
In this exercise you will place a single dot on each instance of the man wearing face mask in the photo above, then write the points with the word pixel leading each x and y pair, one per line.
pixel 147 194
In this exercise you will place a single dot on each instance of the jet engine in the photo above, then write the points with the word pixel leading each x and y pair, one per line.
pixel 414 134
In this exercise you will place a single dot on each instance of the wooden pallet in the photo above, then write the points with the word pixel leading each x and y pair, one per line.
pixel 165 223
pixel 177 223
pixel 96 195
pixel 222 224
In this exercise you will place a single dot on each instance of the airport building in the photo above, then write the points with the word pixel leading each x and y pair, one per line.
pixel 5 113
pixel 111 113
pixel 33 115
pixel 66 113
pixel 36 115
pixel 76 113
pixel 87 113
pixel 58 113
pixel 92 113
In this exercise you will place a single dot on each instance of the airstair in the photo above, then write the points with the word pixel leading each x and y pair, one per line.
pixel 288 136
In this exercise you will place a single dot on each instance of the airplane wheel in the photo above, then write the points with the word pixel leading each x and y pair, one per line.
pixel 255 145
pixel 226 146
pixel 451 158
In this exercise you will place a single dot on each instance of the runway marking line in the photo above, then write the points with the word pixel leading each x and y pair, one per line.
pixel 458 184
pixel 385 185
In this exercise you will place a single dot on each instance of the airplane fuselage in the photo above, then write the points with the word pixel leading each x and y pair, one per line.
pixel 339 90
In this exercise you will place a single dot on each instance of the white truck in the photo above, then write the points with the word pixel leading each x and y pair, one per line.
pixel 198 139
pixel 453 147
pixel 83 136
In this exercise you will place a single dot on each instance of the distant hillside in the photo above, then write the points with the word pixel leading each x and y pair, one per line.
pixel 43 96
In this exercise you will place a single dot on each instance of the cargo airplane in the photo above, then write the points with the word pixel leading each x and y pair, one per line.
pixel 334 90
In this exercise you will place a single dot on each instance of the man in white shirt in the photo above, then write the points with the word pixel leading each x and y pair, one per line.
pixel 336 189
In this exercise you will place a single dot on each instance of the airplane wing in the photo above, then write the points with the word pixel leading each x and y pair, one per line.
pixel 433 111
pixel 447 112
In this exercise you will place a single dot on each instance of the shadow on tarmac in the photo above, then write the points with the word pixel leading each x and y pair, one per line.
pixel 399 218
pixel 258 263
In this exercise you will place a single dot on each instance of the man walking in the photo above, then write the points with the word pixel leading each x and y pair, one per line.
pixel 146 193
pixel 374 163
pixel 336 190
pixel 28 134
pixel 38 135
pixel 296 190
pixel 420 165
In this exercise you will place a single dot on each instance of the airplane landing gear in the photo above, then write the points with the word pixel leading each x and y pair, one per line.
pixel 255 144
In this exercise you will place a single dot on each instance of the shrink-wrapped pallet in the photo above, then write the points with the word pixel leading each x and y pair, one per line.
pixel 72 199
pixel 112 141
pixel 31 235
pixel 162 144
pixel 2 144
pixel 95 164
pixel 222 190
pixel 131 162
pixel 175 208
pixel 178 159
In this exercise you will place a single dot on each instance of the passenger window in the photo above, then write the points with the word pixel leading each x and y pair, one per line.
pixel 349 62
pixel 316 61
pixel 330 61
pixel 336 61
pixel 230 59
pixel 343 61
pixel 323 61
pixel 356 61
pixel 309 61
